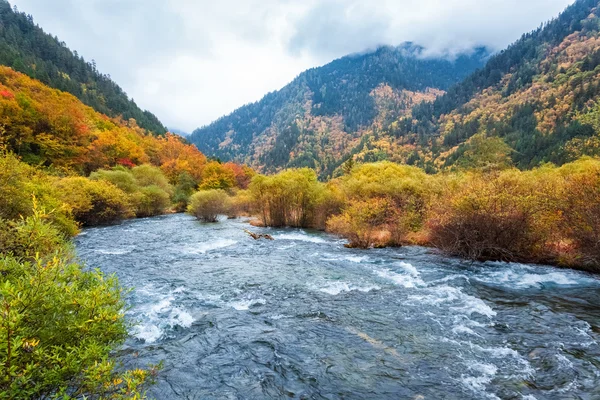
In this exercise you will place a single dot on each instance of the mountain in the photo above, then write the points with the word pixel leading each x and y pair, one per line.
pixel 179 132
pixel 538 101
pixel 320 116
pixel 49 128
pixel 26 48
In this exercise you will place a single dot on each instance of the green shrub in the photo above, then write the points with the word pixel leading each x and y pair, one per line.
pixel 363 223
pixel 60 323
pixel 241 204
pixel 148 189
pixel 186 185
pixel 330 202
pixel 289 198
pixel 120 177
pixel 217 176
pixel 148 175
pixel 30 236
pixel 21 183
pixel 95 202
pixel 490 217
pixel 150 201
pixel 580 209
pixel 207 205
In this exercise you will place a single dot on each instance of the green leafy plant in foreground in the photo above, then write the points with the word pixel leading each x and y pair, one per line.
pixel 58 323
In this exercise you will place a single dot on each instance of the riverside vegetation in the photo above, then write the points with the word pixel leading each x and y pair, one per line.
pixel 64 166
pixel 547 215
pixel 60 321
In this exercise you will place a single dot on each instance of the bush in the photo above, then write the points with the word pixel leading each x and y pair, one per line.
pixel 363 223
pixel 288 198
pixel 120 177
pixel 330 202
pixel 150 201
pixel 490 217
pixel 27 237
pixel 148 189
pixel 399 194
pixel 186 185
pixel 207 205
pixel 95 202
pixel 20 184
pixel 59 323
pixel 580 207
pixel 217 176
pixel 241 204
pixel 399 183
pixel 147 175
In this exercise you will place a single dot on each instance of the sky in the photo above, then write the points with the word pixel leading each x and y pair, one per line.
pixel 193 61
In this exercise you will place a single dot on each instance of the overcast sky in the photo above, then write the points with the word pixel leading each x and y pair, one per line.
pixel 192 61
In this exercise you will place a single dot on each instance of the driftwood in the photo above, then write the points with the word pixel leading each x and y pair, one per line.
pixel 257 236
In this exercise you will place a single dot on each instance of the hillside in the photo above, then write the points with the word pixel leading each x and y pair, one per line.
pixel 316 119
pixel 535 102
pixel 49 128
pixel 26 48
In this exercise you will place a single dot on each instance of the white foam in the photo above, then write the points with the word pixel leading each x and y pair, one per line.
pixel 486 373
pixel 472 304
pixel 503 353
pixel 448 294
pixel 564 362
pixel 148 333
pixel 464 329
pixel 584 331
pixel 277 317
pixel 300 236
pixel 356 259
pixel 335 288
pixel 114 252
pixel 160 316
pixel 243 305
pixel 449 278
pixel 203 248
pixel 181 318
pixel 529 280
pixel 161 306
pixel 523 277
pixel 409 268
pixel 214 299
pixel 408 281
pixel 475 305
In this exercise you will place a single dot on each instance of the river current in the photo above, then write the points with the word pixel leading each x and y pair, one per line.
pixel 303 317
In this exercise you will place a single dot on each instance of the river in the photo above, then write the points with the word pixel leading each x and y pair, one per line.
pixel 303 317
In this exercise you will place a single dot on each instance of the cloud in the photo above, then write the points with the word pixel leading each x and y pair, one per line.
pixel 192 61
pixel 332 28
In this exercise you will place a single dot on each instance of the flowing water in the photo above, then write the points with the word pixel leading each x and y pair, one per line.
pixel 303 317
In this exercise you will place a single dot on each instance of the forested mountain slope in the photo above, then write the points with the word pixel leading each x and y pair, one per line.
pixel 316 119
pixel 49 128
pixel 25 47
pixel 535 102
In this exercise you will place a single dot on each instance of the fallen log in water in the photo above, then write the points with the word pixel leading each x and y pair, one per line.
pixel 257 236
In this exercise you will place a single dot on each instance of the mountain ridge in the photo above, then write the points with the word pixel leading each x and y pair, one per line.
pixel 285 127
pixel 532 103
pixel 537 96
